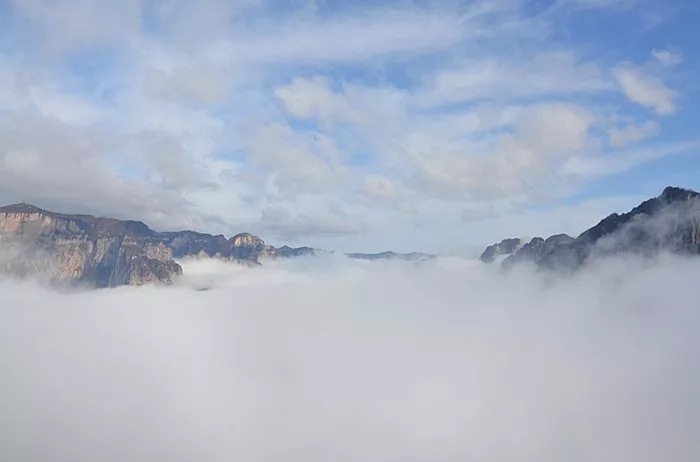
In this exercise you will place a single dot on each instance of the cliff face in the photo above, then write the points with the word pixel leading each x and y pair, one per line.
pixel 95 251
pixel 243 248
pixel 535 250
pixel 505 247
pixel 104 252
pixel 289 252
pixel 669 222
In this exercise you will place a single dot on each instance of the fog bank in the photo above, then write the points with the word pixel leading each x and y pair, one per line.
pixel 338 360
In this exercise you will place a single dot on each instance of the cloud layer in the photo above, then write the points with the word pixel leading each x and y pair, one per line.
pixel 347 121
pixel 356 361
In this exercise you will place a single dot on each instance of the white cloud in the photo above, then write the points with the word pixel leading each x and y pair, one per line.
pixel 621 136
pixel 71 109
pixel 197 85
pixel 555 128
pixel 313 98
pixel 378 186
pixel 359 105
pixel 668 58
pixel 72 168
pixel 602 4
pixel 375 34
pixel 285 228
pixel 543 135
pixel 72 25
pixel 645 90
pixel 470 215
pixel 624 160
pixel 204 115
pixel 447 154
pixel 308 362
pixel 530 77
pixel 298 162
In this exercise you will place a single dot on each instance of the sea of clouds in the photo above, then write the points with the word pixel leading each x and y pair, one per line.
pixel 330 359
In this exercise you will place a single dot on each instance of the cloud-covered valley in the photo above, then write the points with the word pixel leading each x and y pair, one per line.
pixel 331 359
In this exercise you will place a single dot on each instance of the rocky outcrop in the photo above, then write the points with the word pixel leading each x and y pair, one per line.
pixel 99 252
pixel 536 249
pixel 669 222
pixel 505 247
pixel 243 248
pixel 291 252
pixel 105 252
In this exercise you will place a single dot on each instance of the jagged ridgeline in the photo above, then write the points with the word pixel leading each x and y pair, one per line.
pixel 667 223
pixel 105 252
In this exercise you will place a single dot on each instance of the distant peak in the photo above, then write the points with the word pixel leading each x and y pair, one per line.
pixel 246 240
pixel 243 235
pixel 21 208
pixel 676 194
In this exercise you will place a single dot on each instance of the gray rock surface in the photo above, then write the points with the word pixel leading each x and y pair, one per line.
pixel 669 222
pixel 505 247
pixel 105 252
pixel 101 252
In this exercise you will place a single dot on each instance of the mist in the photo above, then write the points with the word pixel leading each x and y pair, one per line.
pixel 338 360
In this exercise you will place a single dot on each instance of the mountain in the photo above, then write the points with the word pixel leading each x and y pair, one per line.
pixel 243 247
pixel 105 252
pixel 536 249
pixel 505 247
pixel 669 222
pixel 96 251
pixel 289 252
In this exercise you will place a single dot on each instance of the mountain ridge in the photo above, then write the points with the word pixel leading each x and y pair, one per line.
pixel 668 222
pixel 107 252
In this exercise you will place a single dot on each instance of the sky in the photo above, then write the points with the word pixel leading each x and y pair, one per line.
pixel 437 126
pixel 318 360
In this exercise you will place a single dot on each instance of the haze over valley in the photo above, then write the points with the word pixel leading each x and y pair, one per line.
pixel 350 360
pixel 328 357
pixel 342 231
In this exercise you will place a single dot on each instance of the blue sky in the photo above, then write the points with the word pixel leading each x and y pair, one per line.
pixel 411 125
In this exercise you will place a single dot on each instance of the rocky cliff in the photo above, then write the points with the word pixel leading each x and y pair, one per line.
pixel 80 248
pixel 105 252
pixel 243 248
pixel 669 222
pixel 289 252
pixel 505 247
pixel 536 249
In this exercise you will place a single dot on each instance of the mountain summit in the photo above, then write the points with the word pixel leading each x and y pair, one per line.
pixel 669 222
